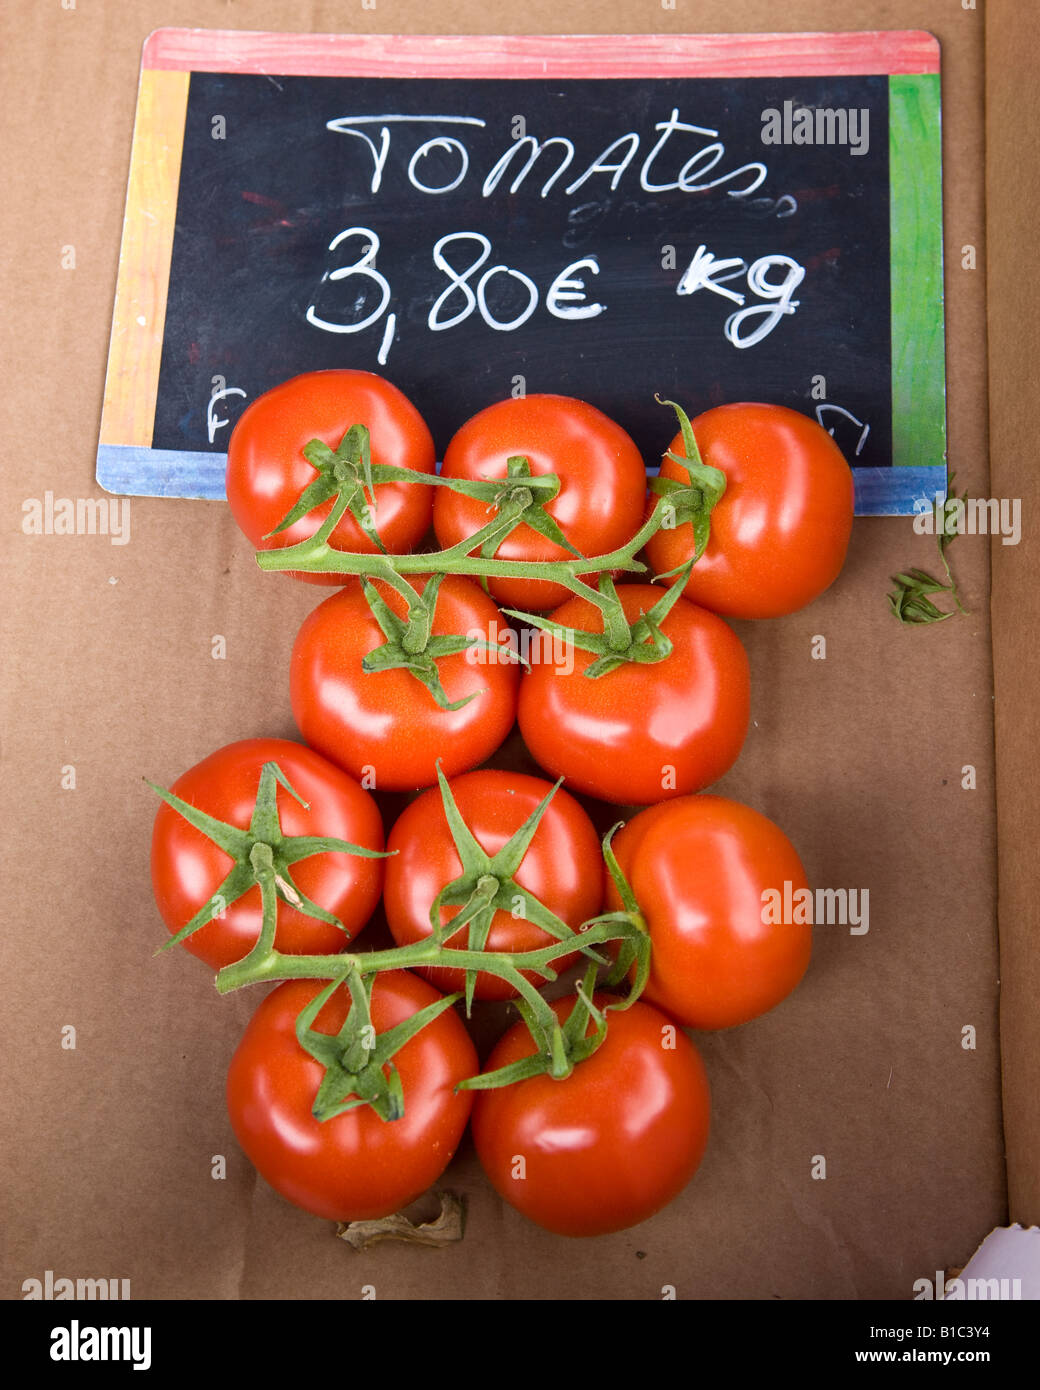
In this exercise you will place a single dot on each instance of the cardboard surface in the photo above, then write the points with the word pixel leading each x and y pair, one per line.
pixel 108 1148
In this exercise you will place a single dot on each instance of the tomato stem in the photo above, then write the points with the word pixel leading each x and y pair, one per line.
pixel 410 643
pixel 910 601
pixel 358 1065
pixel 315 556
pixel 518 500
pixel 620 642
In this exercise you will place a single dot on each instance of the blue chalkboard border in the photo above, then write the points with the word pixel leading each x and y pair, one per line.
pixel 144 472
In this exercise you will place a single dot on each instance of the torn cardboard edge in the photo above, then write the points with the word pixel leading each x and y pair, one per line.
pixel 1012 129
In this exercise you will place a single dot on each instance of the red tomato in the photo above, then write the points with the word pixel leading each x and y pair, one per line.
pixel 385 727
pixel 560 868
pixel 641 733
pixel 355 1166
pixel 188 868
pixel 610 1144
pixel 602 476
pixel 267 470
pixel 781 530
pixel 699 868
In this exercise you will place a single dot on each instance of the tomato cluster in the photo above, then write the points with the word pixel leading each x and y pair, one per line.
pixel 356 1077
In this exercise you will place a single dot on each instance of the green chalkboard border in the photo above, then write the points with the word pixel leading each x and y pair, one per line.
pixel 918 339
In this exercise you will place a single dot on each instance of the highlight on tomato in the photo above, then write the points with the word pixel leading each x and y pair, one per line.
pixel 607 1146
pixel 523 868
pixel 297 447
pixel 387 709
pixel 642 732
pixel 780 531
pixel 355 1165
pixel 324 898
pixel 705 874
pixel 599 505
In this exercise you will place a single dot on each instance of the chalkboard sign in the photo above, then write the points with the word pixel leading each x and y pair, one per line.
pixel 709 219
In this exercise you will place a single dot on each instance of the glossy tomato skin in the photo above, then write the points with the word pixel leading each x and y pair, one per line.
pixel 609 1145
pixel 601 499
pixel 699 867
pixel 387 724
pixel 267 471
pixel 641 733
pixel 355 1166
pixel 560 868
pixel 781 530
pixel 187 868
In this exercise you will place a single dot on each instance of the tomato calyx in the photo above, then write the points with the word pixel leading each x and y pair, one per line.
pixel 262 855
pixel 346 473
pixel 526 494
pixel 410 642
pixel 620 642
pixel 358 1061
pixel 487 885
pixel 559 1048
pixel 693 502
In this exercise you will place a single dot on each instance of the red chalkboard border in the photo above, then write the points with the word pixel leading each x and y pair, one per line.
pixel 519 56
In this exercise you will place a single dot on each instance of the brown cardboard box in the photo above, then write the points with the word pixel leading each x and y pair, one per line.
pixel 109 1146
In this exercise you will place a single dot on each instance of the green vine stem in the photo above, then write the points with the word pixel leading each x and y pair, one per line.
pixel 519 500
pixel 349 1081
pixel 275 965
pixel 316 556
pixel 358 1062
pixel 634 953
